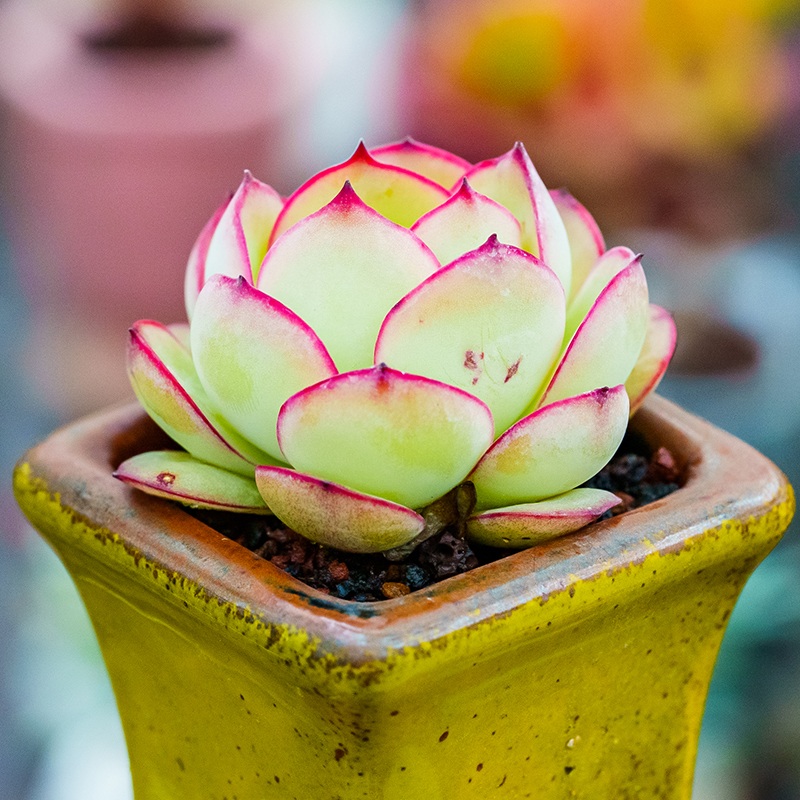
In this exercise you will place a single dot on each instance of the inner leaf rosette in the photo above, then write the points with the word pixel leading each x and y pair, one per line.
pixel 404 329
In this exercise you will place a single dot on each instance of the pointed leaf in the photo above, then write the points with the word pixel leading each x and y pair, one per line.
pixel 196 268
pixel 240 240
pixel 606 268
pixel 490 323
pixel 167 358
pixel 163 377
pixel 464 222
pixel 585 239
pixel 529 524
pixel 659 345
pixel 552 450
pixel 433 163
pixel 401 437
pixel 334 515
pixel 252 354
pixel 179 476
pixel 341 270
pixel 512 181
pixel 607 344
pixel 397 194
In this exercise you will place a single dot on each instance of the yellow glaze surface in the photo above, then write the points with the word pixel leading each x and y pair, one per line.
pixel 586 678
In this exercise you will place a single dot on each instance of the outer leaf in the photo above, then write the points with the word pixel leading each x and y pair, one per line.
pixel 465 221
pixel 382 432
pixel 397 194
pixel 552 450
pixel 659 345
pixel 490 323
pixel 433 163
pixel 512 181
pixel 585 239
pixel 179 476
pixel 162 374
pixel 607 344
pixel 196 268
pixel 241 237
pixel 251 354
pixel 341 270
pixel 529 524
pixel 606 268
pixel 334 515
pixel 177 361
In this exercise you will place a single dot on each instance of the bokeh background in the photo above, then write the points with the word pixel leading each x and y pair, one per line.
pixel 123 125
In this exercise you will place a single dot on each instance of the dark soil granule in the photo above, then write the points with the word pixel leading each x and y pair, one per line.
pixel 633 475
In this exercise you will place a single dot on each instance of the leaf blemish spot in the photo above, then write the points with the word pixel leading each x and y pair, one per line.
pixel 512 370
pixel 471 360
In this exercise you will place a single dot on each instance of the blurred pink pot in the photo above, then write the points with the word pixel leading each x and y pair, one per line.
pixel 116 156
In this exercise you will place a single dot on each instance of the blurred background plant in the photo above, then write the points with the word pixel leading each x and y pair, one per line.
pixel 125 124
pixel 657 112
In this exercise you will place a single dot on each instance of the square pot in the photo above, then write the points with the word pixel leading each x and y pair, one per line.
pixel 578 668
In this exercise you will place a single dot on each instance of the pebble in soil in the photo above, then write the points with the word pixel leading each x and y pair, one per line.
pixel 633 475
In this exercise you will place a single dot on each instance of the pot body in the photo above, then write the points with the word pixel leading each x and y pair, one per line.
pixel 575 669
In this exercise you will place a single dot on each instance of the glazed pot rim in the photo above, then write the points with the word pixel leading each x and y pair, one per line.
pixel 726 480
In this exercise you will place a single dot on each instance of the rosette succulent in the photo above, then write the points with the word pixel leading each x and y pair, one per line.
pixel 405 332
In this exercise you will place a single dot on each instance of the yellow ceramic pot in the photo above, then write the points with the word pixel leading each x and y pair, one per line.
pixel 575 669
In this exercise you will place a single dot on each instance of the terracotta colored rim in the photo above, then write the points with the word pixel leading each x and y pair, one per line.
pixel 727 480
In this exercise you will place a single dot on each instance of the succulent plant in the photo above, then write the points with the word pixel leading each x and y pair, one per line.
pixel 403 328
